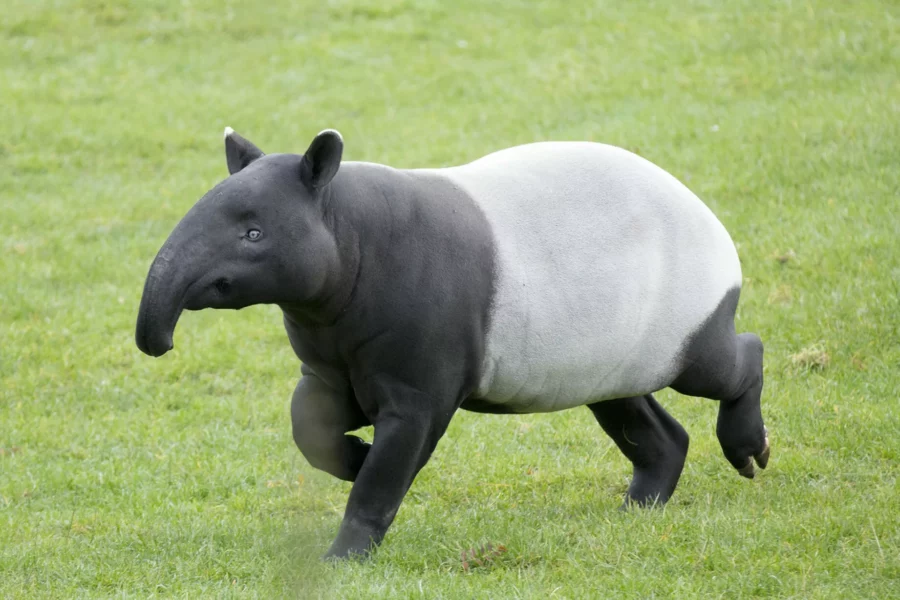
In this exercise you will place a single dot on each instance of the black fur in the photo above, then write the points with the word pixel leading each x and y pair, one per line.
pixel 408 346
pixel 722 365
pixel 654 442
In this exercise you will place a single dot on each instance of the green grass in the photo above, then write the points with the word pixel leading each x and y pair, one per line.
pixel 123 476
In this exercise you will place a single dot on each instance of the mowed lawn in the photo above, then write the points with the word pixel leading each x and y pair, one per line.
pixel 126 476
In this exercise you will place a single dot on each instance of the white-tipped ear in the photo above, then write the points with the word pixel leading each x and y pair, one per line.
pixel 322 159
pixel 332 133
pixel 239 152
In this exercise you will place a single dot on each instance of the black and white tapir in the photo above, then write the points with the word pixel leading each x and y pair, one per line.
pixel 538 278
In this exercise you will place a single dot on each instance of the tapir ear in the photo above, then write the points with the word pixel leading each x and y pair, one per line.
pixel 322 159
pixel 239 152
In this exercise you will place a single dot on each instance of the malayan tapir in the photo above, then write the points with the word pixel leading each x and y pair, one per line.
pixel 538 278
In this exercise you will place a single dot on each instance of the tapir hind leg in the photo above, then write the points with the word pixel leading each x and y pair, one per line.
pixel 321 417
pixel 654 442
pixel 728 367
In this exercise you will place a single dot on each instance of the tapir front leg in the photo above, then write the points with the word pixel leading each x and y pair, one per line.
pixel 407 429
pixel 321 416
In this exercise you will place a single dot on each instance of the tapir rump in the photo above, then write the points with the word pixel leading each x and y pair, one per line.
pixel 539 278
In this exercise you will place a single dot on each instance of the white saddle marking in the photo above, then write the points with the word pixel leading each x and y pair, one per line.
pixel 605 265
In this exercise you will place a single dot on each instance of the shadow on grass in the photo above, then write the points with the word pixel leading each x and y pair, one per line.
pixel 298 551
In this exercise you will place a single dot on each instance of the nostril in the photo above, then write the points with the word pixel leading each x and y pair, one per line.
pixel 223 286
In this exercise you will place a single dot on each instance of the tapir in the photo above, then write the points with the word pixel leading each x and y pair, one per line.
pixel 538 278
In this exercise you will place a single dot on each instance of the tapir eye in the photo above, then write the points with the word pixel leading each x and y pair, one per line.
pixel 254 234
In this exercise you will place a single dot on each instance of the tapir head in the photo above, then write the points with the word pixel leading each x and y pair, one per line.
pixel 257 237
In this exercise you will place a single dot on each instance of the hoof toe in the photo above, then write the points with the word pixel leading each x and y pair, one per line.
pixel 747 470
pixel 762 459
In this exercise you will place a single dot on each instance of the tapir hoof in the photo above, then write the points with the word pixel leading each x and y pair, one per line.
pixel 747 470
pixel 762 459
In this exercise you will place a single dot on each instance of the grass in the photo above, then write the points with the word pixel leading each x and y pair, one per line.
pixel 123 476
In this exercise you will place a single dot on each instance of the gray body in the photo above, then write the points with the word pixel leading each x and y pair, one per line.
pixel 538 278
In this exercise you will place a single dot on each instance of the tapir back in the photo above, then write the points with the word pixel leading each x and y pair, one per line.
pixel 605 264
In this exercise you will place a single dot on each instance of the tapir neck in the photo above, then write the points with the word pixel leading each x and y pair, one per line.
pixel 364 206
pixel 333 300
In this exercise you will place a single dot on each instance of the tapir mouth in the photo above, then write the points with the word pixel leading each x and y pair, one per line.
pixel 162 303
pixel 154 346
pixel 154 332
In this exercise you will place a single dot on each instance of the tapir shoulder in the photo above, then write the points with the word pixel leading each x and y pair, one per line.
pixel 424 286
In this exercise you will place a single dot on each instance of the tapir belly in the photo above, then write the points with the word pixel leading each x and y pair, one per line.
pixel 605 266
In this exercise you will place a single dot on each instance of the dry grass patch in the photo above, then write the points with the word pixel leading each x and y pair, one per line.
pixel 811 358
